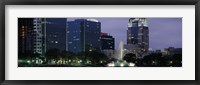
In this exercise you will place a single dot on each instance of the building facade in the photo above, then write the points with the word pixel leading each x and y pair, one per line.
pixel 56 33
pixel 50 33
pixel 138 34
pixel 83 35
pixel 107 42
pixel 172 51
pixel 25 35
pixel 108 45
pixel 39 37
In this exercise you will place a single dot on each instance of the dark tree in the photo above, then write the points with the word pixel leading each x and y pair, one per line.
pixel 152 59
pixel 52 54
pixel 177 60
pixel 97 58
pixel 130 57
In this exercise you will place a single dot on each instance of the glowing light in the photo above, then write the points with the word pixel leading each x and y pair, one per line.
pixel 121 49
pixel 131 64
pixel 41 61
pixel 28 61
pixel 111 64
pixel 121 64
pixel 37 61
pixel 93 20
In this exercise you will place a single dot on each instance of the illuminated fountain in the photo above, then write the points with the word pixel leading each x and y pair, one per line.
pixel 121 49
pixel 121 62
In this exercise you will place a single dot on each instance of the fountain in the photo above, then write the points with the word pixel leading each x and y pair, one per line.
pixel 121 49
pixel 120 62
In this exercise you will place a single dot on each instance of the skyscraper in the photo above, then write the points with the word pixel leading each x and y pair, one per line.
pixel 25 35
pixel 50 33
pixel 83 35
pixel 138 33
pixel 39 37
pixel 56 33
pixel 107 42
pixel 108 45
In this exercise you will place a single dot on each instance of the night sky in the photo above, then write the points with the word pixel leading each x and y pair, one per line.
pixel 163 32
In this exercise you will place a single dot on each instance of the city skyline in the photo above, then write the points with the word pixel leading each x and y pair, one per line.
pixel 163 32
pixel 99 42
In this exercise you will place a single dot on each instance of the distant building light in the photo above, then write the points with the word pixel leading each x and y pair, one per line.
pixel 93 20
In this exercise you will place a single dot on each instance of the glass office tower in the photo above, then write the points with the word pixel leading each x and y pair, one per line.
pixel 50 33
pixel 83 35
pixel 138 33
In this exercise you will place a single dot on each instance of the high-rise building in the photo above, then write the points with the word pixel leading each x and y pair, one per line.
pixel 56 33
pixel 50 33
pixel 83 35
pixel 138 33
pixel 39 37
pixel 25 35
pixel 108 45
pixel 107 42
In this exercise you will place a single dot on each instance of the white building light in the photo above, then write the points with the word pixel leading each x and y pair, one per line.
pixel 93 20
